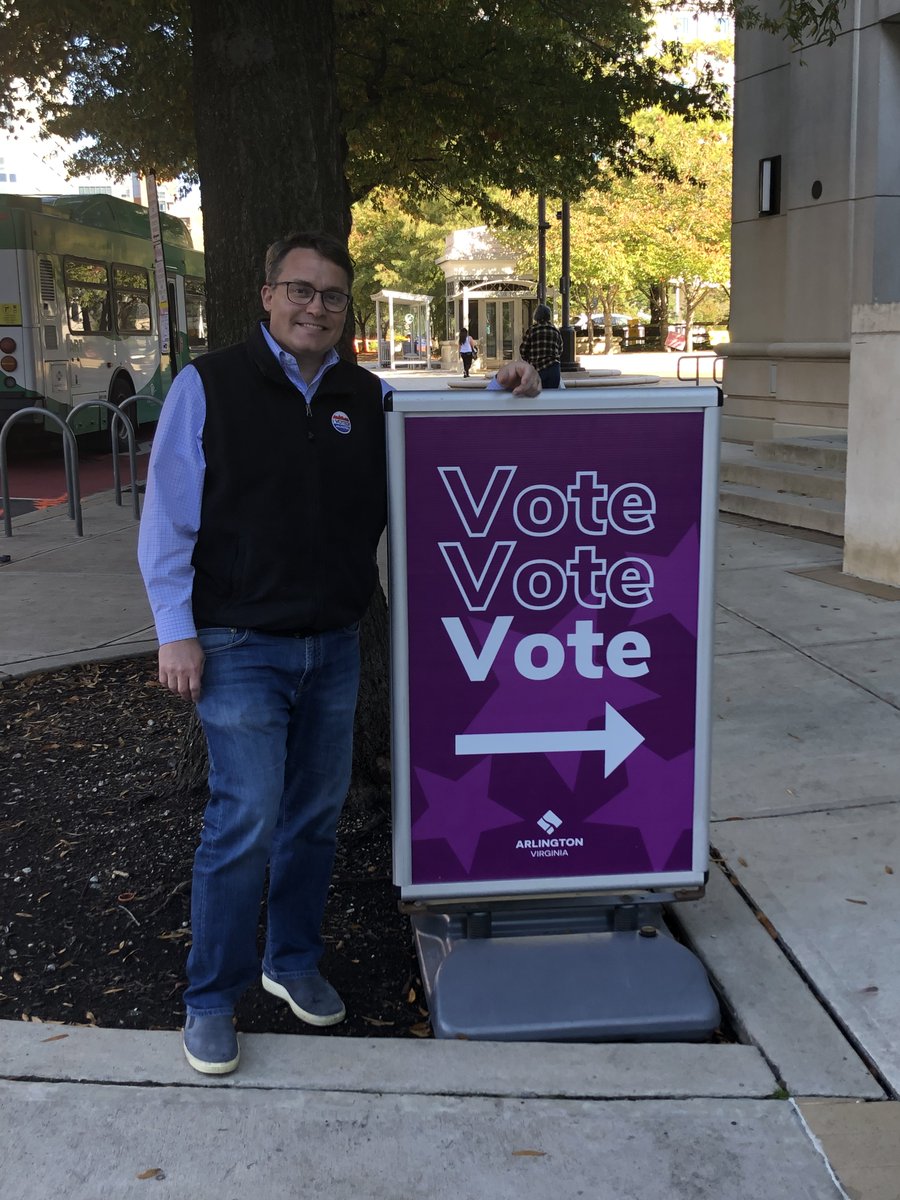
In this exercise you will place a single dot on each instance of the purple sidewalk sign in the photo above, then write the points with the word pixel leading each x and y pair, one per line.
pixel 551 598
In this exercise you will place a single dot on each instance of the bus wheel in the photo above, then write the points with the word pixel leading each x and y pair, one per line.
pixel 121 389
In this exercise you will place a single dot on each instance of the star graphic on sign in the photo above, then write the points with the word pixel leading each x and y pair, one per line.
pixel 675 584
pixel 565 702
pixel 460 811
pixel 650 776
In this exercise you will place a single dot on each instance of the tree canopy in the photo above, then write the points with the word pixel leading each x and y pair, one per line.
pixel 289 110
pixel 434 94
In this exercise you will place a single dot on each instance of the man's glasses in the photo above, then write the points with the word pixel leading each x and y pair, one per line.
pixel 299 292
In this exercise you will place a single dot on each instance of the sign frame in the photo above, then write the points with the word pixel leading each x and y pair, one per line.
pixel 407 406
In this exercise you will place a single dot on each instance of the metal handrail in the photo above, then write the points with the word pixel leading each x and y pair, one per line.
pixel 718 371
pixel 70 460
pixel 132 451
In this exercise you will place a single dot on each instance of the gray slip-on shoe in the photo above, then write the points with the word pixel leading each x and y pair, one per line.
pixel 211 1044
pixel 311 998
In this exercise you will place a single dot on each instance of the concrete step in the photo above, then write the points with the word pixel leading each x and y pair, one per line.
pixel 742 464
pixel 827 452
pixel 801 512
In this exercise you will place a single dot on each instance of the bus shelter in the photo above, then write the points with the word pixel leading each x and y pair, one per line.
pixel 552 627
pixel 404 331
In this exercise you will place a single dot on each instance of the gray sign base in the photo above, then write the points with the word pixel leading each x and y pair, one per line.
pixel 532 975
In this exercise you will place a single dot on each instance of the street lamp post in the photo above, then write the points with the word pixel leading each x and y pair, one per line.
pixel 543 226
pixel 569 362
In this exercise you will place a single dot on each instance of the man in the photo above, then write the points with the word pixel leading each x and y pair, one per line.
pixel 266 500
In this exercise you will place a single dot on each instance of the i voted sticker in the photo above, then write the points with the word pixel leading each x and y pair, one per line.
pixel 341 422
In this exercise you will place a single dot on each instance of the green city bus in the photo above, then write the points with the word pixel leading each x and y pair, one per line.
pixel 79 318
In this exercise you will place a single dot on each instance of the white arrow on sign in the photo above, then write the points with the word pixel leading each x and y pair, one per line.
pixel 617 741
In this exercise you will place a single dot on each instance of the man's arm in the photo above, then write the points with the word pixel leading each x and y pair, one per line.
pixel 168 533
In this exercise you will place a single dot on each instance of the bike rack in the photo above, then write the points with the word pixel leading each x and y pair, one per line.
pixel 132 452
pixel 718 371
pixel 114 445
pixel 70 460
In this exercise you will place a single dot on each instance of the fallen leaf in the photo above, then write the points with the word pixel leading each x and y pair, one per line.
pixel 870 990
pixel 17 977
pixel 152 1173
pixel 888 870
pixel 529 1153
pixel 421 1030
pixel 411 996
pixel 850 900
pixel 767 925
pixel 742 860
pixel 368 1020
pixel 57 1037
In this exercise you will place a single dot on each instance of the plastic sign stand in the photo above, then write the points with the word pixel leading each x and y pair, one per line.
pixel 551 599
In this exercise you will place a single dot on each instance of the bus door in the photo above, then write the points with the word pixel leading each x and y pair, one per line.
pixel 137 342
pixel 177 318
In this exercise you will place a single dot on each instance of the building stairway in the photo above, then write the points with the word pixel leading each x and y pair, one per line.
pixel 793 481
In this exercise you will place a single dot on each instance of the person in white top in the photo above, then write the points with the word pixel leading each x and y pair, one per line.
pixel 468 350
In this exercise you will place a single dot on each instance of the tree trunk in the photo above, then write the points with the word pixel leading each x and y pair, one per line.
pixel 371 781
pixel 658 295
pixel 608 338
pixel 270 156
pixel 270 151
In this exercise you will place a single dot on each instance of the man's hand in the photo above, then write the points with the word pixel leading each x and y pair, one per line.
pixel 181 667
pixel 520 378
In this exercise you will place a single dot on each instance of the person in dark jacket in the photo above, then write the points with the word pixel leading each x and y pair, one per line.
pixel 542 346
pixel 265 503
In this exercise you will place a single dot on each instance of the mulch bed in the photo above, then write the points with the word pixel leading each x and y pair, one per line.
pixel 96 846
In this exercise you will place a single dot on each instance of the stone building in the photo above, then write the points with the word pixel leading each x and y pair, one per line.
pixel 815 318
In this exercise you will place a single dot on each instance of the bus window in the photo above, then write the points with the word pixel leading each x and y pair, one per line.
pixel 195 307
pixel 131 292
pixel 87 296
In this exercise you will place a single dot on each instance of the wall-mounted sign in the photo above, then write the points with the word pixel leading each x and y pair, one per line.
pixel 551 600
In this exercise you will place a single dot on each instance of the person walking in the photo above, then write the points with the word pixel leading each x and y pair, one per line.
pixel 468 351
pixel 542 347
pixel 266 500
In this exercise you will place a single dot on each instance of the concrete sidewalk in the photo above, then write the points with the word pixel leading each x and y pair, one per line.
pixel 798 930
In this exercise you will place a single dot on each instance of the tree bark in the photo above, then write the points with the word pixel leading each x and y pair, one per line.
pixel 270 152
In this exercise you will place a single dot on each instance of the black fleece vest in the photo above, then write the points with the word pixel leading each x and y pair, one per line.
pixel 294 496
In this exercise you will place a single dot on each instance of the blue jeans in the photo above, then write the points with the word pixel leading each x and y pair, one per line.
pixel 278 717
pixel 550 376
